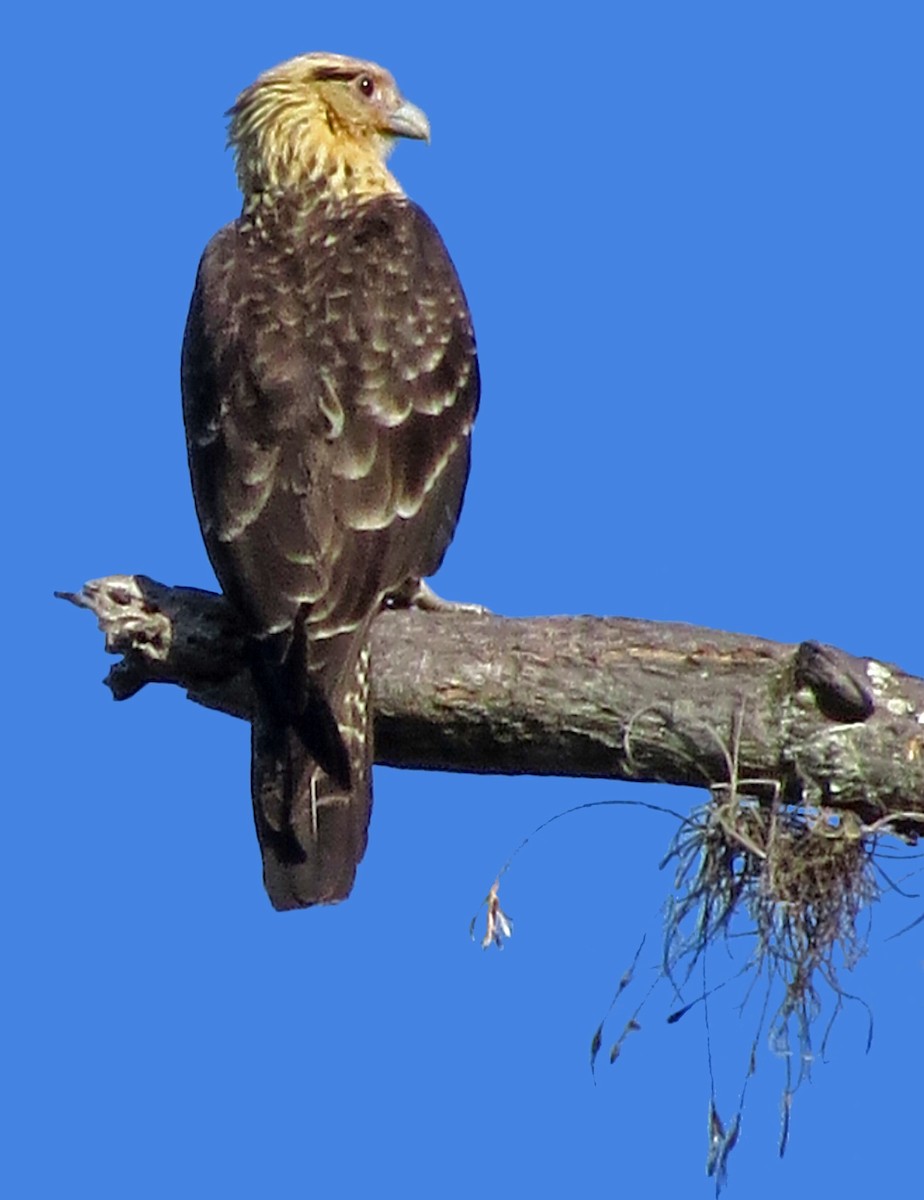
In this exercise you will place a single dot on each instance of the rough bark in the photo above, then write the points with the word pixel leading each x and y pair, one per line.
pixel 605 697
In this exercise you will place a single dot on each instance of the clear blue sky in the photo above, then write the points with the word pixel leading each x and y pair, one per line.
pixel 691 239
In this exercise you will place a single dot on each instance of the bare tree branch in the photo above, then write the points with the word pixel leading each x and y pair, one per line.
pixel 604 697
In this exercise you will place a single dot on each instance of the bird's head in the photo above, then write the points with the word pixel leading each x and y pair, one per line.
pixel 321 117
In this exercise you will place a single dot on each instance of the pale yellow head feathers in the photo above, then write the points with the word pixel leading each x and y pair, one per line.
pixel 321 117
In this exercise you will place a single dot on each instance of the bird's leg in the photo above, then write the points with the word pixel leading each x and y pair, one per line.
pixel 415 593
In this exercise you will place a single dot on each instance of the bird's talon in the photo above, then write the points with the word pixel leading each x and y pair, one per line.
pixel 417 594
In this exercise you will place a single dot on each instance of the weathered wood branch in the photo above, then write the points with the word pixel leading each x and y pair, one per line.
pixel 605 697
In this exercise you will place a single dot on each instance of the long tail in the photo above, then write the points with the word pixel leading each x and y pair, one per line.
pixel 312 822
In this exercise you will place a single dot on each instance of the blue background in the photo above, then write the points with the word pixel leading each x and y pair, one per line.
pixel 691 239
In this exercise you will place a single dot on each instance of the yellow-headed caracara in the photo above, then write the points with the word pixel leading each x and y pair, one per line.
pixel 330 383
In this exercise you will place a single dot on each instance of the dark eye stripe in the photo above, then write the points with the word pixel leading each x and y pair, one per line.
pixel 335 73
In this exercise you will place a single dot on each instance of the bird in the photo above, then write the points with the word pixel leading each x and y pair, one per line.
pixel 330 383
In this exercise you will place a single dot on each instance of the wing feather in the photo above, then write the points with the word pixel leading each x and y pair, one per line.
pixel 329 397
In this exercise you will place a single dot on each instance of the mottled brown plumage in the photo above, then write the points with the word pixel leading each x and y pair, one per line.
pixel 329 383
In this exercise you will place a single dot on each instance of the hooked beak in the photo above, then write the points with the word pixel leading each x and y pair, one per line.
pixel 409 121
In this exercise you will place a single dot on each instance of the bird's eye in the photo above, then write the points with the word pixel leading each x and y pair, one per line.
pixel 367 85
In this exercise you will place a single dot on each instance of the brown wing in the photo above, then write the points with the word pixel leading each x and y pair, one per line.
pixel 329 393
pixel 330 383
